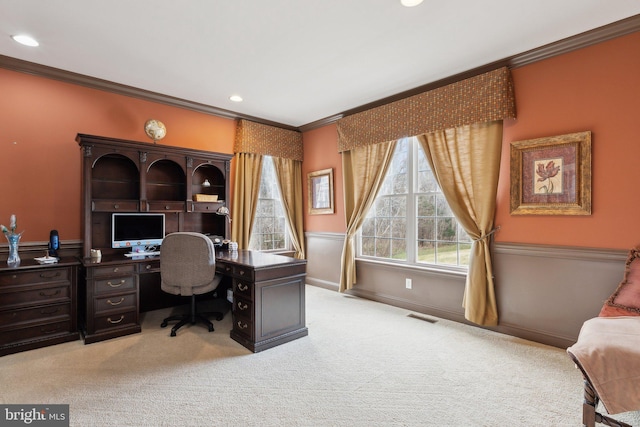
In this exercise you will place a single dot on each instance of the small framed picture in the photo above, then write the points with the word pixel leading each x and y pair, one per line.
pixel 320 186
pixel 551 176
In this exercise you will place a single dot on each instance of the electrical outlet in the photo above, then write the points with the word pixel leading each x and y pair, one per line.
pixel 408 283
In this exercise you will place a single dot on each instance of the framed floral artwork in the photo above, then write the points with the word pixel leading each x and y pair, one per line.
pixel 551 176
pixel 320 189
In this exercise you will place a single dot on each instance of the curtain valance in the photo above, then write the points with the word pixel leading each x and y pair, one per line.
pixel 483 98
pixel 257 138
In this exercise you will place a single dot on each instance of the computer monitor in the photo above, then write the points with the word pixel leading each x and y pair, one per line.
pixel 137 231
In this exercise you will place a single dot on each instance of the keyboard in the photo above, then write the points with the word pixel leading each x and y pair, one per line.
pixel 150 253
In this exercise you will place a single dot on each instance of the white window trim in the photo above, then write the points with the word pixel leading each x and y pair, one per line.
pixel 411 231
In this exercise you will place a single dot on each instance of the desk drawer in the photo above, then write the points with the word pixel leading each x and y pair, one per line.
pixel 243 272
pixel 243 326
pixel 17 335
pixel 118 302
pixel 151 266
pixel 243 307
pixel 225 269
pixel 11 318
pixel 114 205
pixel 39 295
pixel 205 206
pixel 33 277
pixel 242 289
pixel 115 284
pixel 114 321
pixel 237 271
pixel 111 270
pixel 165 206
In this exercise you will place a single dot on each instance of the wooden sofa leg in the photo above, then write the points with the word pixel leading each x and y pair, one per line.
pixel 589 415
pixel 589 405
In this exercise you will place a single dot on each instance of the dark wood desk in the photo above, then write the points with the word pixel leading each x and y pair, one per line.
pixel 268 296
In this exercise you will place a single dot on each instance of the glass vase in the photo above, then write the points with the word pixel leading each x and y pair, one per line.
pixel 14 258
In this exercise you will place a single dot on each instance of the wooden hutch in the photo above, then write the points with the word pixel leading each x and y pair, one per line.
pixel 130 176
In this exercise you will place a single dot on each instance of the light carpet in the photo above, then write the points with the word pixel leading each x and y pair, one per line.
pixel 363 364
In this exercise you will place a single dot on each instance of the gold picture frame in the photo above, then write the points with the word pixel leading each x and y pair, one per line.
pixel 551 176
pixel 320 187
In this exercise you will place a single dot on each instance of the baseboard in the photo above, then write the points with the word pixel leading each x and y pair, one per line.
pixel 408 305
pixel 323 284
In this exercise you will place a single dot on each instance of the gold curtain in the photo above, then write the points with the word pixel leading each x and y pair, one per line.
pixel 254 140
pixel 466 164
pixel 289 174
pixel 248 169
pixel 363 172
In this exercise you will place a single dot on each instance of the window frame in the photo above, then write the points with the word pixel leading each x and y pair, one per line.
pixel 287 238
pixel 411 216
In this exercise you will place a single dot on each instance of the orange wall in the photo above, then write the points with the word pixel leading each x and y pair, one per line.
pixel 593 89
pixel 596 89
pixel 321 152
pixel 40 159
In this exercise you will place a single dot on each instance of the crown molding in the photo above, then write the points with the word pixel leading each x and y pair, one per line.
pixel 34 69
pixel 589 38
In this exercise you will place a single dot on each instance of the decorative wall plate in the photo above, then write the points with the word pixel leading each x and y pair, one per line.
pixel 155 129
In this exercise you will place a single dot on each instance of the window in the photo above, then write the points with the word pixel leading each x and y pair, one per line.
pixel 410 220
pixel 269 228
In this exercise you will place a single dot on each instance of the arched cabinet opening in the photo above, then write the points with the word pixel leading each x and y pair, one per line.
pixel 165 187
pixel 208 183
pixel 114 177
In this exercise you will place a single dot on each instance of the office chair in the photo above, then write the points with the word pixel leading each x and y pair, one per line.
pixel 188 268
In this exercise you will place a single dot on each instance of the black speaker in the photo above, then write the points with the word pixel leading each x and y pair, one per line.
pixel 54 243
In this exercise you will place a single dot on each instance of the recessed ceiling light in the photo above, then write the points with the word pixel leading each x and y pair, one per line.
pixel 410 3
pixel 26 40
pixel 236 98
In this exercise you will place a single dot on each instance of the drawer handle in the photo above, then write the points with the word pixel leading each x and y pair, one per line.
pixel 49 331
pixel 227 268
pixel 241 273
pixel 115 270
pixel 167 207
pixel 241 306
pixel 116 285
pixel 50 276
pixel 242 287
pixel 55 310
pixel 44 294
pixel 116 206
pixel 113 322
pixel 242 325
pixel 148 267
pixel 115 303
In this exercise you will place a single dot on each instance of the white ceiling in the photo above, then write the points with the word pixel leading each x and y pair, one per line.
pixel 293 61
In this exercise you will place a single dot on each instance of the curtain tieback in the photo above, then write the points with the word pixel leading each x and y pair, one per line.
pixel 486 236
